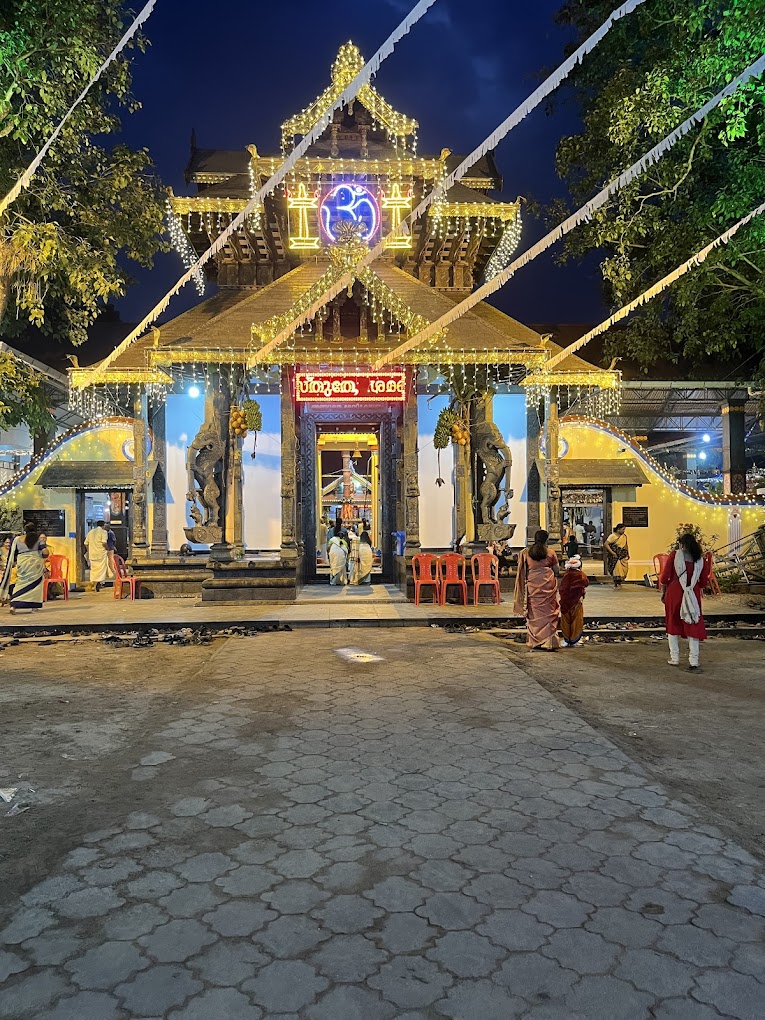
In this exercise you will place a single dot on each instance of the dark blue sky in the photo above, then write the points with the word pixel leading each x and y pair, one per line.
pixel 236 69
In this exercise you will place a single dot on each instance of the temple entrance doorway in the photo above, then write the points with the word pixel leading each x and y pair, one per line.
pixel 586 511
pixel 348 489
pixel 348 477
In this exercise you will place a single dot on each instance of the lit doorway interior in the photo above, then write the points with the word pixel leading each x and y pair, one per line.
pixel 348 488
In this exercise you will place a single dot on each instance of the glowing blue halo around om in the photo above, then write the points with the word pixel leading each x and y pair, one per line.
pixel 349 203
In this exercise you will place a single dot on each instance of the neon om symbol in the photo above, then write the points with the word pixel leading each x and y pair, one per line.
pixel 349 203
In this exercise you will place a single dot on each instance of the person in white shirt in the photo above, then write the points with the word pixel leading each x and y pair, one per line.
pixel 98 558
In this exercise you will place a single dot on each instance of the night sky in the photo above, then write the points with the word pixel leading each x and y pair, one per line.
pixel 235 70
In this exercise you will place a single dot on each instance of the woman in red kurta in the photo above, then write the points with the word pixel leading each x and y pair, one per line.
pixel 685 575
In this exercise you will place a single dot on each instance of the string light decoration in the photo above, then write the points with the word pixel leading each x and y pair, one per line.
pixel 397 204
pixel 303 206
pixel 346 67
pixel 508 245
pixel 182 245
pixel 599 391
pixel 587 421
pixel 114 421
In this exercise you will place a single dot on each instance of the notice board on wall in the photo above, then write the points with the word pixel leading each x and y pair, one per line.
pixel 48 522
pixel 635 516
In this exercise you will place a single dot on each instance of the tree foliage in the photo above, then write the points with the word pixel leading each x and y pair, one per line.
pixel 64 241
pixel 655 68
pixel 22 397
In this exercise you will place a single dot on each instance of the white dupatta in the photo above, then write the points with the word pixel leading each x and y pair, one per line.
pixel 690 610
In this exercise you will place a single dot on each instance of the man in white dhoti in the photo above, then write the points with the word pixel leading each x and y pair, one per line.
pixel 365 559
pixel 338 558
pixel 96 551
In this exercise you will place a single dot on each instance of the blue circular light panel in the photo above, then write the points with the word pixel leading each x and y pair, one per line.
pixel 353 204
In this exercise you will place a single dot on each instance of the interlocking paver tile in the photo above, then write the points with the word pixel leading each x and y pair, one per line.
pixel 291 935
pixel 106 965
pixel 410 981
pixel 85 1006
pixel 465 954
pixel 285 985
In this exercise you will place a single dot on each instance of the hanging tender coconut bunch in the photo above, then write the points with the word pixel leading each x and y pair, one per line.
pixel 442 436
pixel 460 432
pixel 237 422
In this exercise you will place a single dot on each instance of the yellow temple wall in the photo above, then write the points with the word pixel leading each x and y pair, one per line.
pixel 101 442
pixel 668 506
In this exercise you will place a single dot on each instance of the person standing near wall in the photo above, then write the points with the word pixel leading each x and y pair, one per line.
pixel 95 546
pixel 618 554
pixel 682 581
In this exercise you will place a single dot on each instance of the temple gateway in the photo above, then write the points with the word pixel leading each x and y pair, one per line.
pixel 228 456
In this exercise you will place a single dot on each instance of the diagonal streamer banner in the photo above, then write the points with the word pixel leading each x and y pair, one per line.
pixel 693 263
pixel 582 214
pixel 362 78
pixel 548 86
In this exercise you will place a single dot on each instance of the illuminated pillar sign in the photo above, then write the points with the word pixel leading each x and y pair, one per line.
pixel 340 388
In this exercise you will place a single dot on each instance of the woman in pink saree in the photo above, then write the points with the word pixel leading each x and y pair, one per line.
pixel 536 594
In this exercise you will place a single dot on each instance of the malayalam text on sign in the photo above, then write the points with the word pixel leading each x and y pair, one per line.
pixel 337 388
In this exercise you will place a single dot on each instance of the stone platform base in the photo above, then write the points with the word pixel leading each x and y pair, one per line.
pixel 171 576
pixel 242 581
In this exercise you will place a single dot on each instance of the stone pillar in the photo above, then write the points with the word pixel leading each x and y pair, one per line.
pixel 140 538
pixel 554 521
pixel 481 411
pixel 158 544
pixel 533 521
pixel 733 446
pixel 236 493
pixel 411 468
pixel 217 409
pixel 463 495
pixel 289 549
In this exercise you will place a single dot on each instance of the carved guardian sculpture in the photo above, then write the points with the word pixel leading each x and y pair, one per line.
pixel 205 465
pixel 497 461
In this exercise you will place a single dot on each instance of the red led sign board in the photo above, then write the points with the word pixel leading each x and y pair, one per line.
pixel 334 388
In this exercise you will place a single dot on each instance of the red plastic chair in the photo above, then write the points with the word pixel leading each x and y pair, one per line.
pixel 121 576
pixel 451 571
pixel 485 569
pixel 712 584
pixel 59 574
pixel 425 570
pixel 659 562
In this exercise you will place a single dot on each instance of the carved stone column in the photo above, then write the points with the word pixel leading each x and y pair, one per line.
pixel 533 518
pixel 289 548
pixel 236 493
pixel 554 522
pixel 463 495
pixel 217 410
pixel 140 540
pixel 158 545
pixel 411 468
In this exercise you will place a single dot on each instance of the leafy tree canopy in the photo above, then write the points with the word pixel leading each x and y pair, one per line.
pixel 22 396
pixel 656 67
pixel 90 208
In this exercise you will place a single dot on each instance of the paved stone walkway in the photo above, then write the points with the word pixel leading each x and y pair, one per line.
pixel 407 828
pixel 325 606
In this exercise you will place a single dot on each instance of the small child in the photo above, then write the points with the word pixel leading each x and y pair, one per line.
pixel 572 589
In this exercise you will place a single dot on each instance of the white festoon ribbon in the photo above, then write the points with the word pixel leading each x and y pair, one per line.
pixel 545 89
pixel 690 610
pixel 583 214
pixel 362 78
pixel 26 177
pixel 657 288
